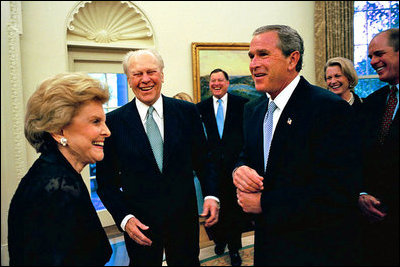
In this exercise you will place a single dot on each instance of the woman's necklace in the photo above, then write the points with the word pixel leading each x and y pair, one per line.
pixel 351 100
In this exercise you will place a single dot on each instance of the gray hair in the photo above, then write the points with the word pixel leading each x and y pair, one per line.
pixel 289 40
pixel 125 60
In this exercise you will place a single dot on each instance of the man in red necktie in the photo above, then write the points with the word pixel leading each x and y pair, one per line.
pixel 380 136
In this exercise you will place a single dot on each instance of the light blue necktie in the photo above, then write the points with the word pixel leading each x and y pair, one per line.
pixel 154 136
pixel 220 118
pixel 268 125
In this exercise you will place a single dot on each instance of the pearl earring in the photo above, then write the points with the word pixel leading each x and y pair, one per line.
pixel 63 141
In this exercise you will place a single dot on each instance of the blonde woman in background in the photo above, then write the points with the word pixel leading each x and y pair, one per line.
pixel 183 96
pixel 341 79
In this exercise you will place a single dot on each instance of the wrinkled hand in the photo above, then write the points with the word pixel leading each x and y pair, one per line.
pixel 132 228
pixel 250 202
pixel 211 207
pixel 247 180
pixel 369 206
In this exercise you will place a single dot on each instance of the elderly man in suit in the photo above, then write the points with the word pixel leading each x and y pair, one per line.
pixel 146 178
pixel 380 123
pixel 222 115
pixel 298 171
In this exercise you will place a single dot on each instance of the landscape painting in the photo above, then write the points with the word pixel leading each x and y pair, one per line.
pixel 232 58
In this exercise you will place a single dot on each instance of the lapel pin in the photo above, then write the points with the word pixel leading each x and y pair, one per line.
pixel 289 121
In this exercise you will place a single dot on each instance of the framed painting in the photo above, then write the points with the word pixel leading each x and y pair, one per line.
pixel 232 58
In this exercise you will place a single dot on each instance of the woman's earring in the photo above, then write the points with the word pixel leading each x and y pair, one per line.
pixel 63 141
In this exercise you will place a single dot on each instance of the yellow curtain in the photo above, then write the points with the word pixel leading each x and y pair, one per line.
pixel 333 34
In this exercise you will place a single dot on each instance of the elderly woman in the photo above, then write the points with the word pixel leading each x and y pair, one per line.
pixel 341 78
pixel 51 218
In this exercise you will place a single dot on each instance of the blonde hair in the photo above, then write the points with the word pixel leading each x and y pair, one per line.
pixel 183 96
pixel 347 67
pixel 55 102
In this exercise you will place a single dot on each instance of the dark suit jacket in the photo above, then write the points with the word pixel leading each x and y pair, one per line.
pixel 381 171
pixel 381 161
pixel 52 221
pixel 312 180
pixel 129 181
pixel 357 102
pixel 225 152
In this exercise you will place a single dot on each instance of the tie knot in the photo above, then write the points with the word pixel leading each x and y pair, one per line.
pixel 271 106
pixel 219 101
pixel 150 110
pixel 393 89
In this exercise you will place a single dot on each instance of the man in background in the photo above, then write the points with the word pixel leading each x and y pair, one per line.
pixel 380 132
pixel 222 115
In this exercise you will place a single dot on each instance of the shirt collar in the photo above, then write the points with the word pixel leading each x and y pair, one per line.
pixel 142 108
pixel 224 99
pixel 283 97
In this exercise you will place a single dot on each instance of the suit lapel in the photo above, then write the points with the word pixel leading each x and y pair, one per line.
pixel 171 132
pixel 230 110
pixel 258 123
pixel 289 115
pixel 131 118
pixel 290 120
pixel 380 103
pixel 212 129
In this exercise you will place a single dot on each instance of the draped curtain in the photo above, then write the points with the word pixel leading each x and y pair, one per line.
pixel 333 34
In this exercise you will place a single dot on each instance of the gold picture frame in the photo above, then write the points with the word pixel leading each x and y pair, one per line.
pixel 231 57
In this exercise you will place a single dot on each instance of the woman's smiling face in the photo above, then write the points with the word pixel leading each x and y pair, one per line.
pixel 85 134
pixel 336 81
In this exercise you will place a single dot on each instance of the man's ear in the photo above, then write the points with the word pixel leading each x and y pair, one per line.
pixel 294 58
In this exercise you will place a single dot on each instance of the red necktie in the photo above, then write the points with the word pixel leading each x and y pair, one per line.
pixel 387 117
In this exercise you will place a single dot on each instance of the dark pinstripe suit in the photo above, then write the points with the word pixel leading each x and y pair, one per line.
pixel 166 202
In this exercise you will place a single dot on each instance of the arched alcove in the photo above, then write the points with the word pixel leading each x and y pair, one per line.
pixel 112 24
pixel 99 34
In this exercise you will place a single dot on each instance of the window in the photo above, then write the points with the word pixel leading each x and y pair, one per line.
pixel 370 17
pixel 118 88
pixel 98 36
pixel 117 85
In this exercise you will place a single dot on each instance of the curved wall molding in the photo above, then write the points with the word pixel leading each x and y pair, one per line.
pixel 108 23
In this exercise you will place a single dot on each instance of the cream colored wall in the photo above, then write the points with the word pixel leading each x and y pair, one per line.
pixel 42 52
pixel 177 24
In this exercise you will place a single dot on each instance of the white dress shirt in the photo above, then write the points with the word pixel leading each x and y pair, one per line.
pixel 281 100
pixel 224 103
pixel 158 114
